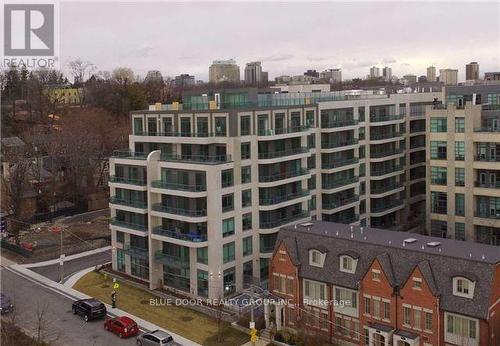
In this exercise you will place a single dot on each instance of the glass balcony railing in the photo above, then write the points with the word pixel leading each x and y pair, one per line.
pixel 488 185
pixel 339 163
pixel 488 214
pixel 339 182
pixel 348 219
pixel 385 188
pixel 386 170
pixel 128 154
pixel 195 237
pixel 283 153
pixel 487 158
pixel 283 198
pixel 136 251
pixel 180 211
pixel 282 221
pixel 171 260
pixel 379 118
pixel 131 225
pixel 128 203
pixel 182 134
pixel 203 159
pixel 267 178
pixel 379 207
pixel 338 123
pixel 339 143
pixel 340 203
pixel 266 248
pixel 176 186
pixel 281 131
pixel 131 181
pixel 385 135
pixel 377 155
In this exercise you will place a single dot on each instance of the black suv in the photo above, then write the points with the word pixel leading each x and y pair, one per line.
pixel 90 309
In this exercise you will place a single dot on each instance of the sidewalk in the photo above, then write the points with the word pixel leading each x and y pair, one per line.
pixel 259 342
pixel 75 295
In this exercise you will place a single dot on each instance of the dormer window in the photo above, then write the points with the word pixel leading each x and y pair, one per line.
pixel 463 287
pixel 316 258
pixel 348 264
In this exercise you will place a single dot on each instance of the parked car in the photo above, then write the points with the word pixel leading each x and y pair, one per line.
pixel 89 309
pixel 155 338
pixel 123 326
pixel 5 304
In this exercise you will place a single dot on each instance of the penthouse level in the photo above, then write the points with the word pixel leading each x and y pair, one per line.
pixel 402 289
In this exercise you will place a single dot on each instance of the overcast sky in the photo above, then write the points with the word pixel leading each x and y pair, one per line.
pixel 288 38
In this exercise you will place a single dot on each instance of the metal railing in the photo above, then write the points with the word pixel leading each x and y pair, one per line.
pixel 165 258
pixel 488 185
pixel 282 131
pixel 136 251
pixel 386 170
pixel 338 123
pixel 129 203
pixel 385 188
pixel 204 159
pixel 385 135
pixel 283 221
pixel 182 134
pixel 283 198
pixel 487 214
pixel 339 182
pixel 487 158
pixel 340 203
pixel 338 144
pixel 122 180
pixel 379 118
pixel 283 153
pixel 176 186
pixel 179 211
pixel 192 237
pixel 129 154
pixel 280 176
pixel 339 163
pixel 131 225
pixel 386 205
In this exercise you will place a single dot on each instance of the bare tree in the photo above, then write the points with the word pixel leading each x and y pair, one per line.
pixel 41 322
pixel 81 72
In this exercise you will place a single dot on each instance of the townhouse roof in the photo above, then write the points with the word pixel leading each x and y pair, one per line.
pixel 399 254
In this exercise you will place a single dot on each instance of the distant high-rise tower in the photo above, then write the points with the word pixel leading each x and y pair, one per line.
pixel 448 76
pixel 374 72
pixel 472 71
pixel 224 71
pixel 431 74
pixel 333 75
pixel 387 73
pixel 253 73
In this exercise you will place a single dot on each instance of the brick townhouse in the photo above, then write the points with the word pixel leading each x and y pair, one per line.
pixel 366 286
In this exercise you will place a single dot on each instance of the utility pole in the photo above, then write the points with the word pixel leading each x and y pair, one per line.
pixel 61 257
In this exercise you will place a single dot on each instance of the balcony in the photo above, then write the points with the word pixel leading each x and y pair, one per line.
pixel 488 214
pixel 282 131
pixel 283 153
pixel 283 221
pixel 485 158
pixel 487 129
pixel 384 171
pixel 128 203
pixel 385 188
pixel 339 163
pixel 281 176
pixel 488 185
pixel 266 248
pixel 171 260
pixel 339 144
pixel 380 118
pixel 381 207
pixel 283 198
pixel 378 155
pixel 129 154
pixel 340 182
pixel 201 159
pixel 179 187
pixel 385 135
pixel 338 123
pixel 439 181
pixel 195 237
pixel 136 251
pixel 340 203
pixel 182 134
pixel 179 211
pixel 130 225
pixel 130 181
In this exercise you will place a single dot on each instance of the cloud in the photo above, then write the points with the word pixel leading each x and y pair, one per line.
pixel 389 61
pixel 277 57
pixel 318 58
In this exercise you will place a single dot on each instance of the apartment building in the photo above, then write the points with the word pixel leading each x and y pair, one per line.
pixel 365 286
pixel 463 167
pixel 224 71
pixel 200 194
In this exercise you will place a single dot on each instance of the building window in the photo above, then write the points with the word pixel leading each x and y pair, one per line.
pixel 246 198
pixel 229 280
pixel 310 118
pixel 438 125
pixel 202 283
pixel 228 252
pixel 245 151
pixel 220 126
pixel 417 284
pixel 246 174
pixel 439 202
pixel 438 175
pixel 120 237
pixel 427 320
pixel 139 267
pixel 459 125
pixel 367 305
pixel 202 255
pixel 439 228
pixel 416 318
pixel 228 227
pixel 463 287
pixel 228 202
pixel 459 176
pixel 459 150
pixel 345 296
pixel 387 310
pixel 227 178
pixel 438 150
pixel 347 264
pixel 120 260
pixel 376 308
pixel 316 258
pixel 459 231
pixel 245 126
pixel 375 275
pixel 246 221
pixel 459 204
pixel 314 292
pixel 460 326
pixel 406 315
pixel 247 246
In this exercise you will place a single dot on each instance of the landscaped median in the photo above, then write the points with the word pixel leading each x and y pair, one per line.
pixel 190 324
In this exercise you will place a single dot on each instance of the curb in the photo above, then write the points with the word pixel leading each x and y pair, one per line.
pixel 68 258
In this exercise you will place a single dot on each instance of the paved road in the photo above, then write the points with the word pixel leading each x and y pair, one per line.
pixel 70 267
pixel 63 327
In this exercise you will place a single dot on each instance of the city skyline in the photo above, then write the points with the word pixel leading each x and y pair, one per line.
pixel 286 49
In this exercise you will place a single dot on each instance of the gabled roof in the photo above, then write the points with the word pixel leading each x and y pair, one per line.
pixel 437 264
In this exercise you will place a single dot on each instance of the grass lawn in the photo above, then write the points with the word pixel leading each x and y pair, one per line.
pixel 191 324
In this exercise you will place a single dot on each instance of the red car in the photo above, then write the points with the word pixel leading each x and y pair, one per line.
pixel 122 326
